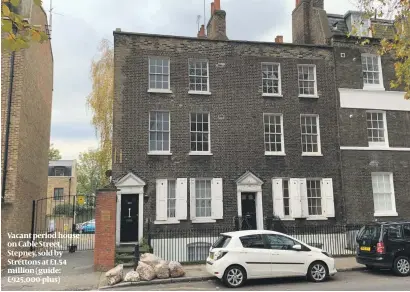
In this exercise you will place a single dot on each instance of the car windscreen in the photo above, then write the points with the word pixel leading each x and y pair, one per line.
pixel 370 232
pixel 222 241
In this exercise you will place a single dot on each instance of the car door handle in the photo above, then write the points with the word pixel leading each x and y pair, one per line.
pixel 275 254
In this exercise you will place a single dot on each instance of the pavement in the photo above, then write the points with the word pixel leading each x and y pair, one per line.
pixel 77 275
pixel 195 273
pixel 359 280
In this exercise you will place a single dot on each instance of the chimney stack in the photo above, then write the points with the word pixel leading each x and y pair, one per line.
pixel 279 39
pixel 201 33
pixel 297 3
pixel 216 28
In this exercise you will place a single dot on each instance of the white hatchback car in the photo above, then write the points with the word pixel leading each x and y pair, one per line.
pixel 255 254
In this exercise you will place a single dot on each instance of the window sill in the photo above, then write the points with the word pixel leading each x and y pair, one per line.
pixel 169 221
pixel 308 96
pixel 378 146
pixel 160 153
pixel 200 154
pixel 275 153
pixel 199 92
pixel 386 214
pixel 370 88
pixel 317 218
pixel 159 90
pixel 312 154
pixel 271 95
pixel 287 219
pixel 204 220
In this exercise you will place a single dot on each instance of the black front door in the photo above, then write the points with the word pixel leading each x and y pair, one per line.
pixel 248 211
pixel 129 218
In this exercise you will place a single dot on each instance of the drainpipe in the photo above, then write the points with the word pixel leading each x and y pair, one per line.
pixel 7 134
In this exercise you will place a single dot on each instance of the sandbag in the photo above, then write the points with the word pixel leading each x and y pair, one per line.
pixel 145 271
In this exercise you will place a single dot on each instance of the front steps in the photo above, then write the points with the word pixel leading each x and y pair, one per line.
pixel 124 254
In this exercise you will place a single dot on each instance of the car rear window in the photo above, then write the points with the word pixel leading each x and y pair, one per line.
pixel 222 241
pixel 371 232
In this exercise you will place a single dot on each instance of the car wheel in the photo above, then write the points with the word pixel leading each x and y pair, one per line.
pixel 234 276
pixel 401 266
pixel 317 272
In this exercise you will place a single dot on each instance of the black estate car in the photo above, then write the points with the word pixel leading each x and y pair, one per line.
pixel 385 245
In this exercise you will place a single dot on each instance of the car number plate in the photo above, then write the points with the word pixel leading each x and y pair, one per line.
pixel 365 248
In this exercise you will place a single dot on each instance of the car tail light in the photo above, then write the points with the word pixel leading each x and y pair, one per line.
pixel 380 247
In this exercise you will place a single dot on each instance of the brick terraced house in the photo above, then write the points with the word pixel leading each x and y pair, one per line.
pixel 26 99
pixel 209 129
pixel 374 118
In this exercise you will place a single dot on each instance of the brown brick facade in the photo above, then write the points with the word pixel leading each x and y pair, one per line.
pixel 105 223
pixel 29 138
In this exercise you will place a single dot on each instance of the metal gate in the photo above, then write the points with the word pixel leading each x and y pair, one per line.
pixel 66 221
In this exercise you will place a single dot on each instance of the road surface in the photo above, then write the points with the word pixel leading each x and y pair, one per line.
pixel 351 281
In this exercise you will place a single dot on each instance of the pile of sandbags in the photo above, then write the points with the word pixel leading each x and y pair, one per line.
pixel 154 267
pixel 149 267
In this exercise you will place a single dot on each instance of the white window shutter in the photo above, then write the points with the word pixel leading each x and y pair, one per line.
pixel 294 194
pixel 217 198
pixel 303 198
pixel 192 198
pixel 328 198
pixel 277 193
pixel 181 196
pixel 161 194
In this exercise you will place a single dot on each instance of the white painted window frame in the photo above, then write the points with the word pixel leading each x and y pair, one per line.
pixel 149 133
pixel 274 153
pixel 159 90
pixel 200 153
pixel 207 92
pixel 194 217
pixel 317 180
pixel 315 95
pixel 379 86
pixel 392 212
pixel 385 144
pixel 279 94
pixel 319 146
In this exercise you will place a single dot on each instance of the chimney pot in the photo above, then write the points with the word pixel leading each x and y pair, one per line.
pixel 212 8
pixel 279 39
pixel 297 3
pixel 217 4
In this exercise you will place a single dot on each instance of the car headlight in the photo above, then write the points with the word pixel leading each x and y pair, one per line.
pixel 219 254
pixel 327 254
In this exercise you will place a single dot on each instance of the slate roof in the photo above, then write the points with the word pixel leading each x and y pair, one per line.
pixel 338 27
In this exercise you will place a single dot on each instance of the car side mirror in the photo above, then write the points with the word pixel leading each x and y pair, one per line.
pixel 297 247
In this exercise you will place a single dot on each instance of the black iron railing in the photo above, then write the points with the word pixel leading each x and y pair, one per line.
pixel 192 245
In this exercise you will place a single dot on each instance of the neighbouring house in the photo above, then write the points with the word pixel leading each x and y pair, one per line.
pixel 209 129
pixel 26 99
pixel 374 118
pixel 62 187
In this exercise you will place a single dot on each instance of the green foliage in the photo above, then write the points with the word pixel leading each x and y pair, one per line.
pixel 18 33
pixel 53 154
pixel 91 169
pixel 83 212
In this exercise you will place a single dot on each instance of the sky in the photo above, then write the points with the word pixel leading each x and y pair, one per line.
pixel 79 25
